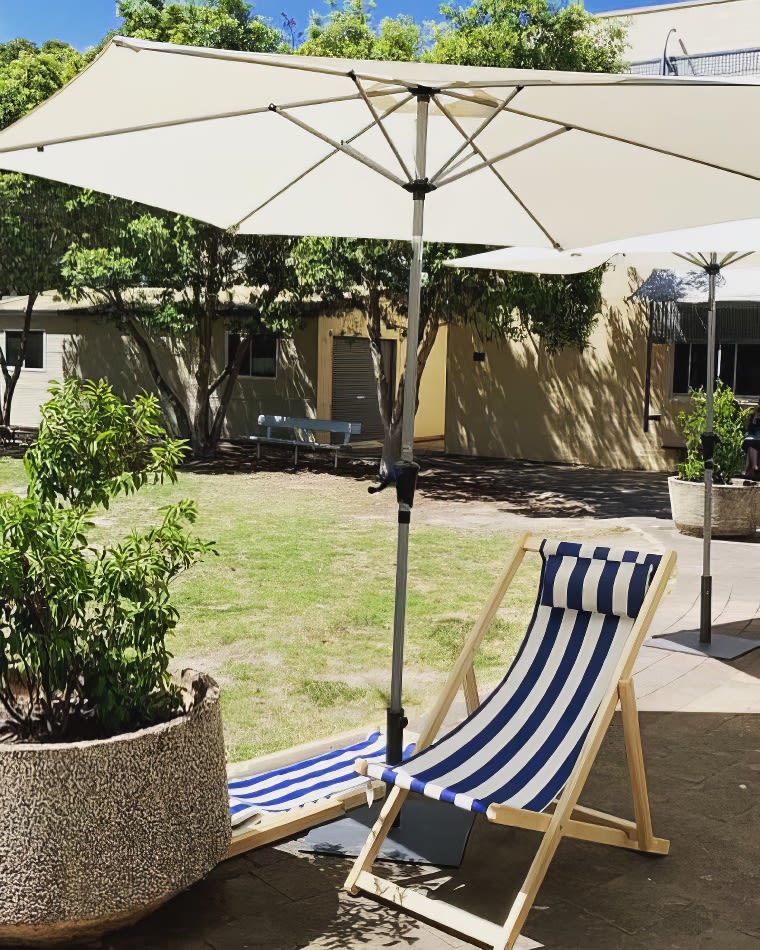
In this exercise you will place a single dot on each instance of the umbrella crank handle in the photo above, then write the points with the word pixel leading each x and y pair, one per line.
pixel 404 476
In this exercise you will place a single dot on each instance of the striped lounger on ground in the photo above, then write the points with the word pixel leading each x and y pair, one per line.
pixel 522 756
pixel 302 783
pixel 289 792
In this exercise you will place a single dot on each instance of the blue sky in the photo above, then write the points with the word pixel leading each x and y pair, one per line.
pixel 83 22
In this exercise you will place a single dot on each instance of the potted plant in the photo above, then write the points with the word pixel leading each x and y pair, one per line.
pixel 734 502
pixel 113 795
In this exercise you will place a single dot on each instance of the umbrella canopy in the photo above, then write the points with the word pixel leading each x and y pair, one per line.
pixel 733 242
pixel 682 251
pixel 299 145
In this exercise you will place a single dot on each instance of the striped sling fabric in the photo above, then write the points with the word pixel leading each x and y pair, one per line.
pixel 519 747
pixel 303 782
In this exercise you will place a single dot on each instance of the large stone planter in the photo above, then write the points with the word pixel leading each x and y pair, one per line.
pixel 735 508
pixel 94 835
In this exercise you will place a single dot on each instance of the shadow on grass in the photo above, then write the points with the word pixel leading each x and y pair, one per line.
pixel 528 488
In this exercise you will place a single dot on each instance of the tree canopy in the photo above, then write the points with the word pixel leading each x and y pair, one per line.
pixel 224 24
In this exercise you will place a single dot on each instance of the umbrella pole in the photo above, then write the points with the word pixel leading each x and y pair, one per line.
pixel 708 451
pixel 407 477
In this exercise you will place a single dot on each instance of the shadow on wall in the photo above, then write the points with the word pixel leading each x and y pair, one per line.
pixel 584 408
pixel 293 392
pixel 98 349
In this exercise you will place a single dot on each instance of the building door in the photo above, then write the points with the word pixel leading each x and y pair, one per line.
pixel 354 392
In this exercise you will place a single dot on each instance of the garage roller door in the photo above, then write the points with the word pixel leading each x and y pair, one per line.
pixel 354 393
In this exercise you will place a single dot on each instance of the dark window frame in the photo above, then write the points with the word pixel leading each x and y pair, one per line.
pixel 42 334
pixel 679 370
pixel 246 370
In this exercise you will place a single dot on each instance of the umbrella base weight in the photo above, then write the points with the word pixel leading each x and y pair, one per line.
pixel 720 647
pixel 428 833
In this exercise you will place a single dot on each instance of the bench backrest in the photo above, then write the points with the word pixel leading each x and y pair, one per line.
pixel 308 426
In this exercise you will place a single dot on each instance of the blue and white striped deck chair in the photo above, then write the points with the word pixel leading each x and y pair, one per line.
pixel 522 756
pixel 282 794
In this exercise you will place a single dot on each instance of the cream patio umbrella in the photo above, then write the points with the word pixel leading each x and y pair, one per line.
pixel 298 145
pixel 656 252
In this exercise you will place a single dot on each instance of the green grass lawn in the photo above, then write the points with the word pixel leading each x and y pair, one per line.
pixel 294 615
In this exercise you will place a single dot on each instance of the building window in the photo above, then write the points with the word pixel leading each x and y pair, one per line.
pixel 736 364
pixel 34 357
pixel 261 360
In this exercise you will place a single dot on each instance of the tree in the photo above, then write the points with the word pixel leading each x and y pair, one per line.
pixel 35 215
pixel 165 277
pixel 373 275
pixel 191 266
pixel 527 34
pixel 224 24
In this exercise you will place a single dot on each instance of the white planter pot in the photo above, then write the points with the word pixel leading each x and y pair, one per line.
pixel 97 834
pixel 735 508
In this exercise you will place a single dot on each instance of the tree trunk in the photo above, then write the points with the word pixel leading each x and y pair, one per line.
pixel 229 377
pixel 204 305
pixel 11 378
pixel 139 335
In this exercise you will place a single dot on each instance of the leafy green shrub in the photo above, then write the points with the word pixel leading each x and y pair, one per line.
pixel 83 628
pixel 729 425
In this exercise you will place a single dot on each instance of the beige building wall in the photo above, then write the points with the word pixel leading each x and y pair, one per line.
pixel 78 342
pixel 71 339
pixel 576 407
pixel 705 26
pixel 430 422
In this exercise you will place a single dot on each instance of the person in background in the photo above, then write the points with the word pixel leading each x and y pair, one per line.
pixel 752 445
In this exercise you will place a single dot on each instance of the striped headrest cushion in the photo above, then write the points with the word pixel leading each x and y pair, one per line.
pixel 597 579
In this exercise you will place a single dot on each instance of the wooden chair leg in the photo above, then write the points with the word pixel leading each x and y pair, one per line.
pixel 470 687
pixel 376 837
pixel 635 756
pixel 527 894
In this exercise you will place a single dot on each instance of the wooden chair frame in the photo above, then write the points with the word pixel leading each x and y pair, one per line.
pixel 565 818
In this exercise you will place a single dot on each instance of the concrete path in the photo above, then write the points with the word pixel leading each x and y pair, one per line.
pixel 700 721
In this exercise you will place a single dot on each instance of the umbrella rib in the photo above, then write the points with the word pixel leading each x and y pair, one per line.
pixel 172 123
pixel 635 144
pixel 341 146
pixel 694 259
pixel 734 258
pixel 381 126
pixel 315 166
pixel 471 138
pixel 488 163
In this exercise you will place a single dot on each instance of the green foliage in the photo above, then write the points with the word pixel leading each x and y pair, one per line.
pixel 92 446
pixel 31 74
pixel 222 24
pixel 527 34
pixel 36 218
pixel 36 224
pixel 348 31
pixel 83 649
pixel 729 425
pixel 560 309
